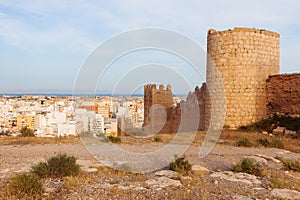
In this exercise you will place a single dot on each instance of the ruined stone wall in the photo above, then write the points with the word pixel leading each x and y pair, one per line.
pixel 283 94
pixel 158 109
pixel 245 58
pixel 189 115
pixel 202 95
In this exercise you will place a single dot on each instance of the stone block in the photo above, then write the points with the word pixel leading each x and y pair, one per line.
pixel 279 131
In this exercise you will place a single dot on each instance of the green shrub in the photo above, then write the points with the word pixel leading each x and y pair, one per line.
pixel 114 139
pixel 245 128
pixel 181 165
pixel 26 132
pixel 269 124
pixel 276 143
pixel 29 184
pixel 264 142
pixel 243 142
pixel 157 139
pixel 291 123
pixel 263 125
pixel 290 164
pixel 246 165
pixel 57 166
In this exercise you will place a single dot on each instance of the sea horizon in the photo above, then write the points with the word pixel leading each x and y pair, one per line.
pixel 79 95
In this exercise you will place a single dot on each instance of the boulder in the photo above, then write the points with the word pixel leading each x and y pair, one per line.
pixel 89 170
pixel 285 194
pixel 162 182
pixel 167 173
pixel 199 169
pixel 290 133
pixel 237 177
pixel 268 158
pixel 239 197
pixel 258 160
pixel 279 131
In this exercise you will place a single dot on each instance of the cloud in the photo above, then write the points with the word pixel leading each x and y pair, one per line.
pixel 26 36
pixel 67 28
pixel 93 21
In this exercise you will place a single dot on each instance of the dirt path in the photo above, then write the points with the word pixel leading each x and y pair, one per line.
pixel 15 158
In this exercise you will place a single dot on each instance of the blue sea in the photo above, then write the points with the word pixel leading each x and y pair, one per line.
pixel 82 95
pixel 69 95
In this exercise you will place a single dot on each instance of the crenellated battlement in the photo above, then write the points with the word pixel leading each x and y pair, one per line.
pixel 246 31
pixel 161 87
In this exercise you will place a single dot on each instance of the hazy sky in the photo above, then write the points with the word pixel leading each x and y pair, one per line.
pixel 44 43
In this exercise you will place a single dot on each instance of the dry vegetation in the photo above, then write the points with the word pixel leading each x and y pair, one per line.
pixel 9 140
pixel 229 137
pixel 232 137
pixel 281 179
pixel 199 186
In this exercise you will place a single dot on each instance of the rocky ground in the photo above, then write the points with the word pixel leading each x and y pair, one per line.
pixel 211 177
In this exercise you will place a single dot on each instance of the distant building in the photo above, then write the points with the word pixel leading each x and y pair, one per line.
pixel 72 128
pixel 97 124
pixel 28 120
pixel 104 111
pixel 86 117
pixel 90 106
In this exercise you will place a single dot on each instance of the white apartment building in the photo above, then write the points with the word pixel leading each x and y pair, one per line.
pixel 97 124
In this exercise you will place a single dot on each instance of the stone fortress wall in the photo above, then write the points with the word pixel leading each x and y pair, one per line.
pixel 283 94
pixel 248 62
pixel 158 118
pixel 245 58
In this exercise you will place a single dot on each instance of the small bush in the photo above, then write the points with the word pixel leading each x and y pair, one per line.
pixel 276 143
pixel 181 165
pixel 243 142
pixel 114 139
pixel 41 169
pixel 157 139
pixel 26 132
pixel 264 142
pixel 278 183
pixel 57 166
pixel 246 165
pixel 263 125
pixel 29 184
pixel 290 164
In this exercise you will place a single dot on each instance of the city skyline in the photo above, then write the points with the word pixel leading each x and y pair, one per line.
pixel 44 44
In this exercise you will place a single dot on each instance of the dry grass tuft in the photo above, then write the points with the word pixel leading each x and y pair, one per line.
pixel 246 165
pixel 25 184
pixel 243 142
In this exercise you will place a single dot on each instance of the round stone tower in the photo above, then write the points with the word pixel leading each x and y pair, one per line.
pixel 244 59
